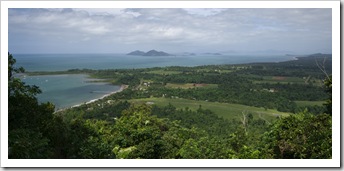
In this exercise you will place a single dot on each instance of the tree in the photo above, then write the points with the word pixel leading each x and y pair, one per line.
pixel 300 136
pixel 328 89
pixel 328 85
pixel 139 135
pixel 27 119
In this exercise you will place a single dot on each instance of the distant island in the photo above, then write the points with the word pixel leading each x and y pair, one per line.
pixel 212 53
pixel 188 54
pixel 149 53
pixel 137 52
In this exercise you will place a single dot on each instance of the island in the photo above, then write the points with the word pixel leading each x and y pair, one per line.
pixel 188 54
pixel 137 53
pixel 149 53
pixel 212 53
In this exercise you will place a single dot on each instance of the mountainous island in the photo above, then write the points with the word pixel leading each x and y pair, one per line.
pixel 212 53
pixel 188 54
pixel 149 53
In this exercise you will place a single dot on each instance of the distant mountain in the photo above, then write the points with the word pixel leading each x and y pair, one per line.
pixel 156 53
pixel 213 54
pixel 320 54
pixel 137 52
pixel 188 54
pixel 149 53
pixel 289 55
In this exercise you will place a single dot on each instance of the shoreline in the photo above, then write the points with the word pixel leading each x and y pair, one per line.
pixel 122 87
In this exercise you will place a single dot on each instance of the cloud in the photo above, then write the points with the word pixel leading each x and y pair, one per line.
pixel 173 29
pixel 204 11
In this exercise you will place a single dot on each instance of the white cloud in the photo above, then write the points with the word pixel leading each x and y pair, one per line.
pixel 204 11
pixel 172 29
pixel 101 11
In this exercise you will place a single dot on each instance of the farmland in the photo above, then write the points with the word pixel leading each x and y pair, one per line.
pixel 224 110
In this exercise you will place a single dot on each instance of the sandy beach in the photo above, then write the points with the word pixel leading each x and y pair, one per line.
pixel 123 87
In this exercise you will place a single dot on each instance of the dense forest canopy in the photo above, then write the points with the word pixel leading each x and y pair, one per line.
pixel 244 111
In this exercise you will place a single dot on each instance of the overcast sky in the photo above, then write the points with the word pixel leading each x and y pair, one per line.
pixel 299 31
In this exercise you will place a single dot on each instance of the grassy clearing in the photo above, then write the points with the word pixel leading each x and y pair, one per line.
pixel 215 70
pixel 190 85
pixel 281 80
pixel 164 72
pixel 225 110
pixel 309 103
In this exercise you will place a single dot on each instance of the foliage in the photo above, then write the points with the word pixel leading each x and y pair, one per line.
pixel 300 136
pixel 27 144
pixel 27 119
pixel 34 130
pixel 328 89
pixel 139 135
pixel 115 128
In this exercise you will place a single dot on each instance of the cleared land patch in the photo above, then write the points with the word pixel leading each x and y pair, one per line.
pixel 190 85
pixel 225 110
pixel 309 103
pixel 164 72
pixel 281 80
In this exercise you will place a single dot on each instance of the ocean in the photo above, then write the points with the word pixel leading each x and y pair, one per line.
pixel 69 90
pixel 61 62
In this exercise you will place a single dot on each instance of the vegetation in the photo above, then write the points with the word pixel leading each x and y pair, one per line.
pixel 224 110
pixel 246 111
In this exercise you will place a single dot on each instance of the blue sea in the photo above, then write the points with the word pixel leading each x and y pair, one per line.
pixel 60 62
pixel 69 90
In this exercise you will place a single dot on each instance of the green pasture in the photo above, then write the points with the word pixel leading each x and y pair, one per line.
pixel 164 72
pixel 309 103
pixel 281 80
pixel 225 110
pixel 190 85
pixel 214 70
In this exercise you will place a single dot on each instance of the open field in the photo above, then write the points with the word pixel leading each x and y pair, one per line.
pixel 215 70
pixel 309 103
pixel 225 110
pixel 164 72
pixel 190 85
pixel 281 80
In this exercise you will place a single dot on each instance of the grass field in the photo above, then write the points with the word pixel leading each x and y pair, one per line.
pixel 190 85
pixel 309 103
pixel 225 110
pixel 215 70
pixel 164 72
pixel 281 80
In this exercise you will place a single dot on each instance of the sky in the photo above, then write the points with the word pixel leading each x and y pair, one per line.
pixel 173 30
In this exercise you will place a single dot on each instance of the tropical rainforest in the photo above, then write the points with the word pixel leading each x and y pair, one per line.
pixel 277 110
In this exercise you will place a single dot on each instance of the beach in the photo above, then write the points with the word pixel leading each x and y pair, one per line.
pixel 123 87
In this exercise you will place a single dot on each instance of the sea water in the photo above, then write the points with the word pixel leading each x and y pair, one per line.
pixel 69 90
pixel 61 62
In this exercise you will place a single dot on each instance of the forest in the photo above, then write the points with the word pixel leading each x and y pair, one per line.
pixel 277 110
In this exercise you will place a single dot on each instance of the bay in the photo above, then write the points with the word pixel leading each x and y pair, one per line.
pixel 69 90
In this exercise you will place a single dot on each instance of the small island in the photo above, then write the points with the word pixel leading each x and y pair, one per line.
pixel 137 53
pixel 212 53
pixel 149 53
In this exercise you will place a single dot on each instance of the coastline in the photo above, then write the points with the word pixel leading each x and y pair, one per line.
pixel 123 87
